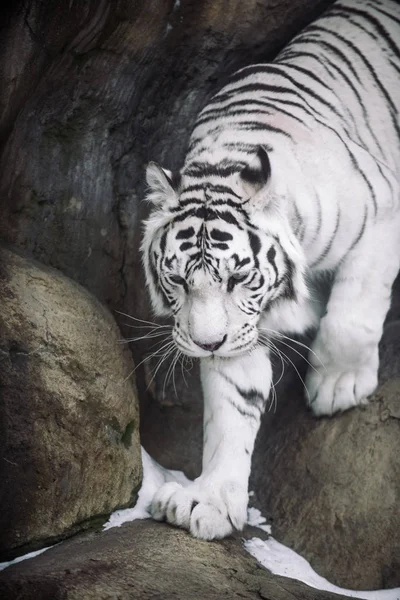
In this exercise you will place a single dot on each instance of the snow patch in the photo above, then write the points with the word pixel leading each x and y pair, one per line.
pixel 281 560
pixel 154 476
pixel 255 518
pixel 4 565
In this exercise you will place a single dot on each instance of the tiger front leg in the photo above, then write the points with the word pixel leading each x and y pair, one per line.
pixel 345 356
pixel 215 504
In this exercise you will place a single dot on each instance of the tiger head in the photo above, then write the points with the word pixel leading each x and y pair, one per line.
pixel 219 253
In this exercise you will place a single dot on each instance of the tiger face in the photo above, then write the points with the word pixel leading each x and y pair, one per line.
pixel 216 261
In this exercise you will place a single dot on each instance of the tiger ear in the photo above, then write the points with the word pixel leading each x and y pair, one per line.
pixel 163 186
pixel 255 176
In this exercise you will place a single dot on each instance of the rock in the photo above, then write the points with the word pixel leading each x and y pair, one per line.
pixel 332 486
pixel 146 560
pixel 69 444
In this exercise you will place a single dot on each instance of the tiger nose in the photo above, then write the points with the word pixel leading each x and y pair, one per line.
pixel 211 347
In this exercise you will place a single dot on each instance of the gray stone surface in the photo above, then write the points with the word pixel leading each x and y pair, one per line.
pixel 69 442
pixel 332 486
pixel 146 560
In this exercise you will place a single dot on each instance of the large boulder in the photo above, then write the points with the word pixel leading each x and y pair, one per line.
pixel 332 485
pixel 146 560
pixel 69 445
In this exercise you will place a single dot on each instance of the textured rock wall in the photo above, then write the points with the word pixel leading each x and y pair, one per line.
pixel 90 91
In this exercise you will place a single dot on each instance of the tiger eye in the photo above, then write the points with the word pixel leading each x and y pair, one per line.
pixel 271 254
pixel 239 276
pixel 177 279
pixel 234 279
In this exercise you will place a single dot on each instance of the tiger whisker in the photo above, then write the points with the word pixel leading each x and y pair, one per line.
pixel 139 320
pixel 182 360
pixel 286 337
pixel 164 356
pixel 172 372
pixel 269 344
pixel 163 352
pixel 160 351
pixel 274 350
pixel 283 366
pixel 146 358
pixel 170 367
pixel 300 354
pixel 147 326
pixel 148 336
pixel 297 371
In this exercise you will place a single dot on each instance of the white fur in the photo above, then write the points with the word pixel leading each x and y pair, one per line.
pixel 222 489
pixel 333 202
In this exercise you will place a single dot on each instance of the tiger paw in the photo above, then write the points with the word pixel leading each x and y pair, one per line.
pixel 207 511
pixel 337 389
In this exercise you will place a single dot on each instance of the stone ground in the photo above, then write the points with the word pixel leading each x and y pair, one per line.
pixel 146 560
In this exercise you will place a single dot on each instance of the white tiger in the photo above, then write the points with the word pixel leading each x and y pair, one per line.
pixel 292 172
